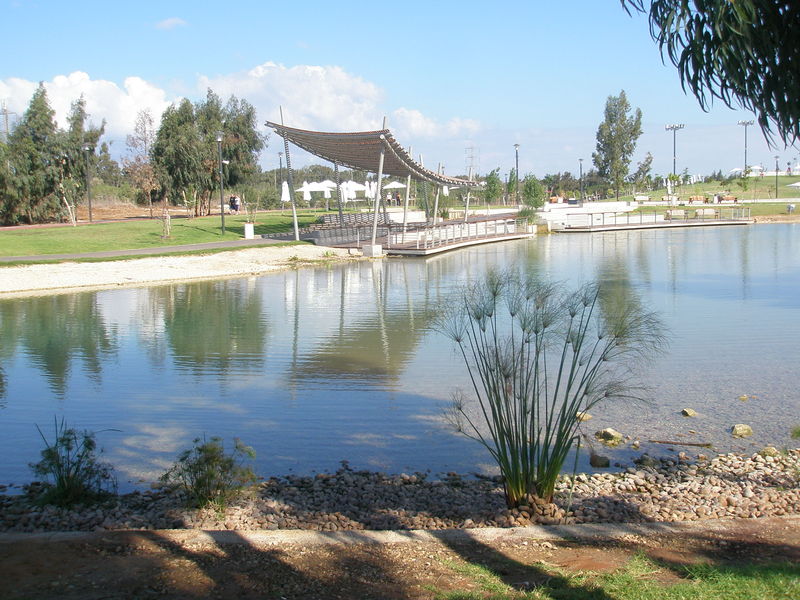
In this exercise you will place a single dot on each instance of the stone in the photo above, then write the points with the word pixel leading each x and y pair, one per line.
pixel 583 416
pixel 689 412
pixel 741 430
pixel 598 461
pixel 609 436
pixel 645 460
pixel 770 451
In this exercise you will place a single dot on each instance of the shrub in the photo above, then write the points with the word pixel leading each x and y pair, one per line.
pixel 796 432
pixel 538 356
pixel 73 474
pixel 209 475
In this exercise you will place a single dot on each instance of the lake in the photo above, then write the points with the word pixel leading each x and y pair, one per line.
pixel 319 365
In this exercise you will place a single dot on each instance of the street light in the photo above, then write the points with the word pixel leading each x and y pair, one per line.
pixel 673 129
pixel 776 176
pixel 221 191
pixel 86 149
pixel 580 166
pixel 745 124
pixel 516 170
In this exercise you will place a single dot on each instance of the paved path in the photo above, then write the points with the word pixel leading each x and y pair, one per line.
pixel 144 251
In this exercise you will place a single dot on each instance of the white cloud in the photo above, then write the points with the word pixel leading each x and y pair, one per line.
pixel 171 23
pixel 104 99
pixel 324 98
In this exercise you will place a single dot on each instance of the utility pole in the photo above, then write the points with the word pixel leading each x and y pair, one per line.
pixel 674 129
pixel 745 124
pixel 6 113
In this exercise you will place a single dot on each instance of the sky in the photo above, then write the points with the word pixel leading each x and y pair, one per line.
pixel 459 82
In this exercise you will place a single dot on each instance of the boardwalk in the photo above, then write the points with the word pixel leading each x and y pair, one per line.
pixel 678 217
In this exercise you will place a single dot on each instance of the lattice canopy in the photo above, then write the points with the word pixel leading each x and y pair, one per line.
pixel 361 150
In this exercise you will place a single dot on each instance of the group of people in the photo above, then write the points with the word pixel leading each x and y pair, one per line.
pixel 235 204
pixel 395 200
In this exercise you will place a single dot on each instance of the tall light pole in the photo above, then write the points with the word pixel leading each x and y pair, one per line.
pixel 673 128
pixel 280 165
pixel 776 176
pixel 221 189
pixel 745 124
pixel 86 149
pixel 580 167
pixel 516 170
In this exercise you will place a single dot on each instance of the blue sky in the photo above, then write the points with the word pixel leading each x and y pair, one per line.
pixel 448 75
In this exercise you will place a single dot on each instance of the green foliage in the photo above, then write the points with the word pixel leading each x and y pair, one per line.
pixel 209 475
pixel 616 140
pixel 533 192
pixel 71 468
pixel 185 152
pixel 743 53
pixel 492 187
pixel 537 356
pixel 796 432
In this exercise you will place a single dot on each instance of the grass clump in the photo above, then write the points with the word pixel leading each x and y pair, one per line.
pixel 796 432
pixel 71 469
pixel 210 475
pixel 538 356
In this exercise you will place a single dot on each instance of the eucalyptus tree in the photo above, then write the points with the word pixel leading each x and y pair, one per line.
pixel 616 140
pixel 744 53
pixel 492 186
pixel 138 165
pixel 185 149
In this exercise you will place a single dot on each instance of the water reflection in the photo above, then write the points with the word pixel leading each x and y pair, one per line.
pixel 55 332
pixel 210 325
pixel 318 365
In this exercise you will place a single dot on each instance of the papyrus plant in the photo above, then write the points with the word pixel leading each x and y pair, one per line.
pixel 538 354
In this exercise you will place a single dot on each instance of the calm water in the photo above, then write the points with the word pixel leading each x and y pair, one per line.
pixel 316 366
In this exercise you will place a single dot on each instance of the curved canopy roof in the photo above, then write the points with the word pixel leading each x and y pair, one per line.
pixel 361 150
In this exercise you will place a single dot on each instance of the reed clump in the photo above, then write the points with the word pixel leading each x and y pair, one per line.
pixel 539 355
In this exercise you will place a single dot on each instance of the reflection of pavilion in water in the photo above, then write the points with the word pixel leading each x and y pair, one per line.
pixel 380 321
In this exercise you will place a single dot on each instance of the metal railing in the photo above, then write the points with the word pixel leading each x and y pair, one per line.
pixel 615 219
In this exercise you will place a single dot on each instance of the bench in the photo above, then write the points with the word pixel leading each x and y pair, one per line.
pixel 675 213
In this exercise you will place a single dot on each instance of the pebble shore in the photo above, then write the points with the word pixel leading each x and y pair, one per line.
pixel 725 486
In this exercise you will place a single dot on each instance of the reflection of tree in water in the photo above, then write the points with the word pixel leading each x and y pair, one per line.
pixel 53 331
pixel 214 324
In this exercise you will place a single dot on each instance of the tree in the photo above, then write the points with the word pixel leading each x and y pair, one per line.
pixel 492 186
pixel 616 140
pixel 532 192
pixel 34 165
pixel 642 177
pixel 138 166
pixel 745 53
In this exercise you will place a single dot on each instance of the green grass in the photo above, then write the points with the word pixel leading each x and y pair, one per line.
pixel 138 234
pixel 639 579
pixel 756 210
pixel 796 432
pixel 760 188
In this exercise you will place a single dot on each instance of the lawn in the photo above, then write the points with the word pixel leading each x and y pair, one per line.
pixel 640 579
pixel 136 234
pixel 751 188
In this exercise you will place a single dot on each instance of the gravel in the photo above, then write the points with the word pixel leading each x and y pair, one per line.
pixel 726 486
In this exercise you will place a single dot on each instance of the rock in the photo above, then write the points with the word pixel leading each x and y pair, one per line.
pixel 770 451
pixel 741 430
pixel 645 460
pixel 598 461
pixel 689 412
pixel 743 397
pixel 608 436
pixel 635 444
pixel 583 416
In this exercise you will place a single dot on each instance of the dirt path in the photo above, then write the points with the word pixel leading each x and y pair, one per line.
pixel 408 565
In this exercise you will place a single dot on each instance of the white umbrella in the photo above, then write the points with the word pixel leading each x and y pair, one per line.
pixel 328 184
pixel 306 191
pixel 285 197
pixel 355 186
pixel 395 185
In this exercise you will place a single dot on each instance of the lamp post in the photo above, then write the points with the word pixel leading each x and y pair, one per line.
pixel 745 124
pixel 776 176
pixel 221 189
pixel 580 167
pixel 516 171
pixel 280 165
pixel 673 128
pixel 86 149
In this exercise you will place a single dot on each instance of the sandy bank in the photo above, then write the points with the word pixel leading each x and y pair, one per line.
pixel 71 276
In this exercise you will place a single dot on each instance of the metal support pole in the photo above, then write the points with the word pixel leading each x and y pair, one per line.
pixel 221 189
pixel 469 191
pixel 291 183
pixel 339 193
pixel 436 199
pixel 378 187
